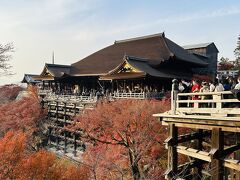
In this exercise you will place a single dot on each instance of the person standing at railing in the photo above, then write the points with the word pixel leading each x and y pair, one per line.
pixel 195 88
pixel 237 86
pixel 218 86
pixel 204 89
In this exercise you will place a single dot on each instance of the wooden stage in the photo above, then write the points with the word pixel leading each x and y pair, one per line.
pixel 213 144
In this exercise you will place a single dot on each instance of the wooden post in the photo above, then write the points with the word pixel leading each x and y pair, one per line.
pixel 199 146
pixel 65 141
pixel 174 96
pixel 217 144
pixel 75 145
pixel 172 152
pixel 57 138
pixel 49 135
pixel 237 154
pixel 65 111
pixel 57 111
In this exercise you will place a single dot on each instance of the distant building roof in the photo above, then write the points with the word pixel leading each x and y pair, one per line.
pixel 196 46
pixel 55 70
pixel 154 48
pixel 29 78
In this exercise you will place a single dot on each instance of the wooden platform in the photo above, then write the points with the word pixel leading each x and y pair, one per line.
pixel 211 116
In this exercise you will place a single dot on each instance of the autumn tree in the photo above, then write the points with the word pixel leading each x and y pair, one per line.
pixel 225 64
pixel 124 135
pixel 9 93
pixel 17 162
pixel 5 56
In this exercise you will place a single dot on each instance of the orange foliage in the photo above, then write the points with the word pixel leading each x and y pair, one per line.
pixel 124 135
pixel 18 163
pixel 22 114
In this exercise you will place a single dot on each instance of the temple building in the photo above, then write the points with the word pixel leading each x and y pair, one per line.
pixel 143 64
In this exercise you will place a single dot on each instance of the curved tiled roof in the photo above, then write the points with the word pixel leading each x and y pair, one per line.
pixel 156 48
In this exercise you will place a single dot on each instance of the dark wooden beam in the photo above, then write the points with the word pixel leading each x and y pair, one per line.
pixel 172 152
pixel 230 150
pixel 217 142
pixel 192 136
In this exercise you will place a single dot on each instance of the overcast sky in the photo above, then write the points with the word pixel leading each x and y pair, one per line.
pixel 74 29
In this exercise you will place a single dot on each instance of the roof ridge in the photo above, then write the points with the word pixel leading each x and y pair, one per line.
pixel 59 65
pixel 139 38
pixel 198 45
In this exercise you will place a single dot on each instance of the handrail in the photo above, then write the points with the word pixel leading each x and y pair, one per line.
pixel 201 103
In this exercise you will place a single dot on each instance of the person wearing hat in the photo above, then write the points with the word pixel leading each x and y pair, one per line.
pixel 204 88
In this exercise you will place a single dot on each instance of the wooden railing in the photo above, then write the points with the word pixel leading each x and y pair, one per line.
pixel 44 92
pixel 50 97
pixel 207 103
pixel 117 95
pixel 143 95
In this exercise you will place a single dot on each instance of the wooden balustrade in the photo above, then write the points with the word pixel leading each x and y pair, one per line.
pixel 212 116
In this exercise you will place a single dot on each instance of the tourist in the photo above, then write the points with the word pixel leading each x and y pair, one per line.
pixel 211 86
pixel 187 86
pixel 226 85
pixel 218 86
pixel 204 89
pixel 237 86
pixel 195 88
pixel 181 87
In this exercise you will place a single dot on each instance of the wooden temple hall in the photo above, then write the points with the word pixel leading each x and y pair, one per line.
pixel 143 64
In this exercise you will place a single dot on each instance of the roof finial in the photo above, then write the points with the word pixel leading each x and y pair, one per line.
pixel 53 58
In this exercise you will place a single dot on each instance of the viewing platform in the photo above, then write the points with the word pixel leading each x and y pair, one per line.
pixel 213 144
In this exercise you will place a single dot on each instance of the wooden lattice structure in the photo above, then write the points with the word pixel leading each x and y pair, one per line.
pixel 213 144
pixel 61 113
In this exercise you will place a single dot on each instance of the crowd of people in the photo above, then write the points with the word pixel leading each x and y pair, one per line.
pixel 218 85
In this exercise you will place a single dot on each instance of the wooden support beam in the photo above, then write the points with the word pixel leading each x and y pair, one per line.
pixel 65 141
pixel 194 153
pixel 217 144
pixel 49 135
pixel 65 111
pixel 230 150
pixel 192 136
pixel 198 169
pixel 57 142
pixel 172 153
pixel 56 110
pixel 75 144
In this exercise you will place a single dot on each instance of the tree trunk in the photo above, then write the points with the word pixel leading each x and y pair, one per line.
pixel 134 167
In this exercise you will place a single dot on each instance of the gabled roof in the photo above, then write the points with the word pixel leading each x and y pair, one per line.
pixel 142 68
pixel 156 48
pixel 196 46
pixel 30 78
pixel 55 70
pixel 202 45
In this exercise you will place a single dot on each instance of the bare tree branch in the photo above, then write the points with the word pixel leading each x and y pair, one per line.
pixel 5 58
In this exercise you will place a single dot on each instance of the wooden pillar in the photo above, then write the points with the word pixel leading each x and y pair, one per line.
pixel 65 113
pixel 49 135
pixel 65 141
pixel 57 111
pixel 174 96
pixel 198 169
pixel 217 145
pixel 172 152
pixel 237 154
pixel 75 109
pixel 75 145
pixel 57 139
